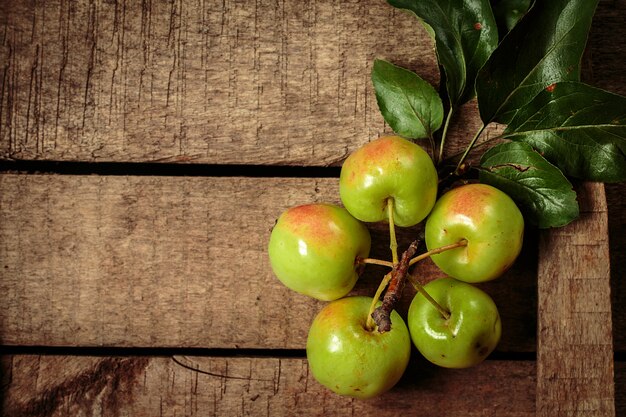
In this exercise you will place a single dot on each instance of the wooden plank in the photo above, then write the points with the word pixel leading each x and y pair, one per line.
pixel 178 261
pixel 607 43
pixel 607 47
pixel 218 81
pixel 214 81
pixel 203 81
pixel 617 242
pixel 145 386
pixel 574 341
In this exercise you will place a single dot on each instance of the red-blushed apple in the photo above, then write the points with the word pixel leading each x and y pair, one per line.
pixel 350 359
pixel 314 250
pixel 488 220
pixel 389 168
pixel 467 336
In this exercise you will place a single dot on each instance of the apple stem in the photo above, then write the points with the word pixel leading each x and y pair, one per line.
pixel 443 136
pixel 469 148
pixel 420 288
pixel 482 144
pixel 374 261
pixel 382 314
pixel 435 251
pixel 370 325
pixel 433 148
pixel 393 243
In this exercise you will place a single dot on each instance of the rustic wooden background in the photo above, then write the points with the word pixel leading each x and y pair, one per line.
pixel 147 148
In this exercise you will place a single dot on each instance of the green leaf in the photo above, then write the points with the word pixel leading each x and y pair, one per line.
pixel 541 190
pixel 579 128
pixel 544 47
pixel 410 105
pixel 465 35
pixel 508 13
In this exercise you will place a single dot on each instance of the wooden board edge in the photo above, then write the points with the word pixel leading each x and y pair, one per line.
pixel 575 365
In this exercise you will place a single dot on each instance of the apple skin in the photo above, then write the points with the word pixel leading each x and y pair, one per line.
pixel 313 250
pixel 350 360
pixel 490 222
pixel 465 339
pixel 389 167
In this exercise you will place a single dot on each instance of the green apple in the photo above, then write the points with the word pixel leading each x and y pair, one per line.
pixel 389 168
pixel 467 336
pixel 490 222
pixel 351 360
pixel 314 248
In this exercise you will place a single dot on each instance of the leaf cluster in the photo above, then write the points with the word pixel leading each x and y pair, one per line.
pixel 522 63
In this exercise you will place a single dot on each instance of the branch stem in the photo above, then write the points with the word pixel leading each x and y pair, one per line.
pixel 382 314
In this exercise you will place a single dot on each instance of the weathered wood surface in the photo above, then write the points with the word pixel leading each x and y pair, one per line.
pixel 76 386
pixel 177 262
pixel 575 343
pixel 269 82
pixel 129 84
pixel 217 81
pixel 146 387
pixel 260 82
pixel 617 240
pixel 607 46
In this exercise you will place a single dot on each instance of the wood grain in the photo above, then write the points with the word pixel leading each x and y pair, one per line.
pixel 211 81
pixel 140 386
pixel 607 46
pixel 178 262
pixel 156 262
pixel 228 82
pixel 617 241
pixel 574 342
pixel 265 82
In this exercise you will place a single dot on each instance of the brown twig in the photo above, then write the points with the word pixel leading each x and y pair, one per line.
pixel 381 314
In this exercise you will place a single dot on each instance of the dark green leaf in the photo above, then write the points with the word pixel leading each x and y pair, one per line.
pixel 544 47
pixel 508 13
pixel 579 128
pixel 410 105
pixel 541 190
pixel 465 35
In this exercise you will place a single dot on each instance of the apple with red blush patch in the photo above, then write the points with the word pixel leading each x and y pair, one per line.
pixel 389 168
pixel 314 250
pixel 490 222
